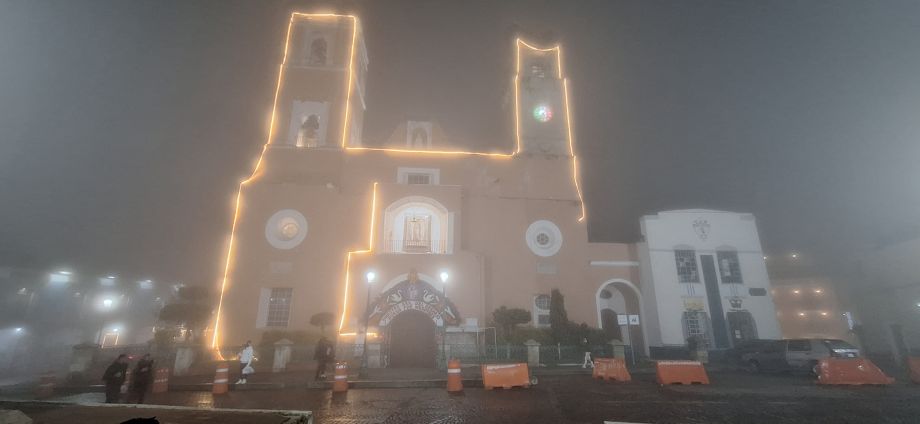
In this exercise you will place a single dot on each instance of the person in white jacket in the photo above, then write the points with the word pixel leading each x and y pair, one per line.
pixel 246 357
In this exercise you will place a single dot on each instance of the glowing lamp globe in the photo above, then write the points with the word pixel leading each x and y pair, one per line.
pixel 542 113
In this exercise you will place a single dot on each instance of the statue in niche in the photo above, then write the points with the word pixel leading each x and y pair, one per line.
pixel 318 52
pixel 419 138
pixel 308 134
pixel 416 234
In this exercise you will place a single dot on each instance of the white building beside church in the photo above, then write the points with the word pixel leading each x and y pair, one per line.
pixel 703 274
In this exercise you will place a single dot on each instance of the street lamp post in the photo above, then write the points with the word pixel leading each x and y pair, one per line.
pixel 444 276
pixel 371 276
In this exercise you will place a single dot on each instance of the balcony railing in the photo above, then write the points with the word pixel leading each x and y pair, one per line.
pixel 434 247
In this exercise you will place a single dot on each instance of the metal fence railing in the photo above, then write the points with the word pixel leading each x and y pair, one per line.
pixel 472 354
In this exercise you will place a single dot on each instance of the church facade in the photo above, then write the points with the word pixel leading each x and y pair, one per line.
pixel 417 241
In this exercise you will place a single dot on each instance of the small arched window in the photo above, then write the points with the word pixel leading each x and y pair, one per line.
pixel 318 52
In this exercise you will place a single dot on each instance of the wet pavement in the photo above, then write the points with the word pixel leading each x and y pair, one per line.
pixel 731 398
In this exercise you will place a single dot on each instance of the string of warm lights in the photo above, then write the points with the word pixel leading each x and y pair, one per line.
pixel 370 248
pixel 349 88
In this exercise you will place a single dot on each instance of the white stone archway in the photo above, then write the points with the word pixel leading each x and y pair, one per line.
pixel 625 299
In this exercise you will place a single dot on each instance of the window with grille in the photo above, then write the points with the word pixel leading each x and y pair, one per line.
pixel 418 176
pixel 696 324
pixel 687 271
pixel 414 178
pixel 279 307
pixel 541 310
pixel 729 267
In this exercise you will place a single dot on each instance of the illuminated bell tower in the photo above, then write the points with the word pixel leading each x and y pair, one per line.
pixel 541 115
pixel 320 98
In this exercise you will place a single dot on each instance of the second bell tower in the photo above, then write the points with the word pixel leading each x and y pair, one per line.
pixel 541 118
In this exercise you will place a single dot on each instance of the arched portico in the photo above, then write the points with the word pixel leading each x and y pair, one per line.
pixel 621 297
pixel 411 314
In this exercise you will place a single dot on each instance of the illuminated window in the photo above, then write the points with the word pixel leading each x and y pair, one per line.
pixel 729 267
pixel 543 113
pixel 279 307
pixel 687 272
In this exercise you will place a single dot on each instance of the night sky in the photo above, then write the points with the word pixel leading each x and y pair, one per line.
pixel 125 126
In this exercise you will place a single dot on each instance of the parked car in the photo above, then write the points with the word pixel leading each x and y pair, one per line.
pixel 737 354
pixel 797 354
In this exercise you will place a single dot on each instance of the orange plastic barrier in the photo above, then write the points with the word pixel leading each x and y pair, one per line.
pixel 161 380
pixel 850 371
pixel 680 372
pixel 505 376
pixel 913 365
pixel 221 379
pixel 454 378
pixel 340 384
pixel 45 387
pixel 611 369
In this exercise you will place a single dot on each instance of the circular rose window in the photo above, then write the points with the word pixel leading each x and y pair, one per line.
pixel 543 238
pixel 286 229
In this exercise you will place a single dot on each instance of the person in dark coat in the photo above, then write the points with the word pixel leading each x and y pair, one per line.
pixel 114 377
pixel 323 354
pixel 143 375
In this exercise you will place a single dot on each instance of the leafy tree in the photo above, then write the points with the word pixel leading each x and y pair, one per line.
pixel 192 310
pixel 507 319
pixel 322 320
pixel 558 318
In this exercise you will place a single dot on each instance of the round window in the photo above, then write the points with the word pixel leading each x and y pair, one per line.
pixel 543 238
pixel 542 302
pixel 289 230
pixel 286 229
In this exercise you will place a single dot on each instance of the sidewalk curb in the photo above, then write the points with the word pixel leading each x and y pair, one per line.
pixel 302 416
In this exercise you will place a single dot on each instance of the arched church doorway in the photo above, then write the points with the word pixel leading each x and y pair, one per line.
pixel 616 301
pixel 610 325
pixel 412 340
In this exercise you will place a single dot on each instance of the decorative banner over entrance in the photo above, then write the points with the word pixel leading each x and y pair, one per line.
pixel 413 294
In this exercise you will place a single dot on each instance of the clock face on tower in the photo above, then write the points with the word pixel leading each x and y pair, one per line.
pixel 543 113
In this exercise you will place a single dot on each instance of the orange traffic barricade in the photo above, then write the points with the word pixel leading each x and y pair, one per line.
pixel 611 369
pixel 913 365
pixel 850 371
pixel 221 378
pixel 454 377
pixel 46 385
pixel 340 383
pixel 161 380
pixel 505 376
pixel 680 372
pixel 600 367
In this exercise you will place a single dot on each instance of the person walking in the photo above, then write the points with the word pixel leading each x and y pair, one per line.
pixel 114 377
pixel 246 357
pixel 143 373
pixel 587 348
pixel 323 354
